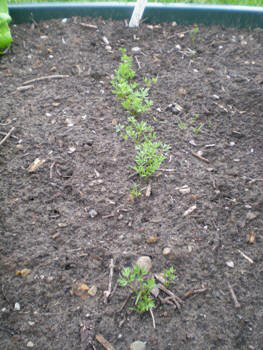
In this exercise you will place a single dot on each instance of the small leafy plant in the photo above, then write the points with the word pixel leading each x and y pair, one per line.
pixel 134 100
pixel 125 71
pixel 169 276
pixel 182 125
pixel 135 279
pixel 148 82
pixel 137 131
pixel 149 153
pixel 198 129
pixel 194 32
pixel 137 101
pixel 149 157
pixel 135 191
pixel 123 89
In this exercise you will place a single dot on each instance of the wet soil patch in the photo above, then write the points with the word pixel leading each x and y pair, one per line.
pixel 66 219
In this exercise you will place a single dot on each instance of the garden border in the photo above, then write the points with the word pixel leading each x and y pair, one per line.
pixel 185 14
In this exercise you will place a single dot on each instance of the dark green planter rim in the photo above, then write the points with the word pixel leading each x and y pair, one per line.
pixel 230 16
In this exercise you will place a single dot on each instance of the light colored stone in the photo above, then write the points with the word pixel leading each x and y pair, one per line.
pixel 144 262
pixel 30 344
pixel 17 307
pixel 167 251
pixel 138 345
pixel 93 213
pixel 230 263
pixel 136 49
pixel 92 291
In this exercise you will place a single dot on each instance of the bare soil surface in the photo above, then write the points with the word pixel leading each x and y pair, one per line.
pixel 65 220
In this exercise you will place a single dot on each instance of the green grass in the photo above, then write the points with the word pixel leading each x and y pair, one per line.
pixel 218 2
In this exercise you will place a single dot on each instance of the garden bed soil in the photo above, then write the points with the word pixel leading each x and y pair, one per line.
pixel 65 220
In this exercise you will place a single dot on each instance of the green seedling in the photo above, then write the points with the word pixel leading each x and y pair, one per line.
pixel 121 81
pixel 169 276
pixel 198 129
pixel 141 287
pixel 149 157
pixel 196 116
pixel 194 32
pixel 182 125
pixel 122 89
pixel 137 131
pixel 148 82
pixel 137 102
pixel 135 191
pixel 125 70
pixel 134 100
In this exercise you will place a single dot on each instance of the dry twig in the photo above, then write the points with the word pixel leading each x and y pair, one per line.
pixel 125 302
pixel 151 312
pixel 24 88
pixel 233 295
pixel 48 77
pixel 246 257
pixel 167 170
pixel 192 292
pixel 199 157
pixel 7 135
pixel 87 25
pixel 100 339
pixel 108 292
pixel 172 298
pixel 138 62
pixel 51 170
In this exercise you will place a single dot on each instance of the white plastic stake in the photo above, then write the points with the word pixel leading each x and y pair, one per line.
pixel 137 13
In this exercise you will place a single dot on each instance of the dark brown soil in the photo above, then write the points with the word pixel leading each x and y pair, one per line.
pixel 46 224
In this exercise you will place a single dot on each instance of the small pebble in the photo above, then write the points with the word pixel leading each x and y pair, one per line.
pixel 230 264
pixel 92 291
pixel 30 344
pixel 167 251
pixel 93 213
pixel 144 262
pixel 17 307
pixel 136 49
pixel 138 345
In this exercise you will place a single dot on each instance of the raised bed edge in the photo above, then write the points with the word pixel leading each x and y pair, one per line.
pixel 229 16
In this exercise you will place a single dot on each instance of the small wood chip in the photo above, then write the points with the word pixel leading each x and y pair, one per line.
pixel 87 25
pixel 148 190
pixel 100 339
pixel 190 210
pixel 36 164
pixel 251 237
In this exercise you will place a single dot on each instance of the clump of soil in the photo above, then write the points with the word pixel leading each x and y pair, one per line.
pixel 65 220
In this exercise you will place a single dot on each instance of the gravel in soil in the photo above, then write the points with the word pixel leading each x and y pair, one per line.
pixel 63 221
